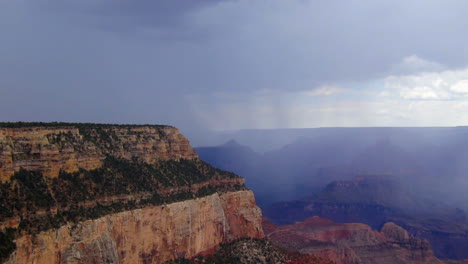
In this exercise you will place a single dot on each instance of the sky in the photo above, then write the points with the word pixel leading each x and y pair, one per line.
pixel 235 64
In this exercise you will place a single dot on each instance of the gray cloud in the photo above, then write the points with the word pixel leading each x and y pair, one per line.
pixel 140 61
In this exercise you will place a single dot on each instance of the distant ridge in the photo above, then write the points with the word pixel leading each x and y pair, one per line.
pixel 232 143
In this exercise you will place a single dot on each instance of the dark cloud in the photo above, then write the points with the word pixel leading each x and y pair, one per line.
pixel 123 61
pixel 151 13
pixel 122 15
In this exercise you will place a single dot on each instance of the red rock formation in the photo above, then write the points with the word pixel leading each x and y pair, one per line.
pixel 351 243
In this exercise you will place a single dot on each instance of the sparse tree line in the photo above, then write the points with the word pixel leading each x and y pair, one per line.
pixel 251 250
pixel 28 192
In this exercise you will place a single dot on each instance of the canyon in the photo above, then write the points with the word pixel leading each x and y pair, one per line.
pixel 376 200
pixel 351 242
pixel 99 193
pixel 410 176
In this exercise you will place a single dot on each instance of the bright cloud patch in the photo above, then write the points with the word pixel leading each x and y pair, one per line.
pixel 460 87
pixel 414 64
pixel 443 85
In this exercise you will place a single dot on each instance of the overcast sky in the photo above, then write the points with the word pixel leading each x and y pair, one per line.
pixel 226 65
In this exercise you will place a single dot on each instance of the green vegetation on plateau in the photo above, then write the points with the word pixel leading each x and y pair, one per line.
pixel 73 197
pixel 249 251
pixel 29 191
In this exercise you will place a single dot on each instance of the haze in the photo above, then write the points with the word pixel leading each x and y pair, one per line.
pixel 227 65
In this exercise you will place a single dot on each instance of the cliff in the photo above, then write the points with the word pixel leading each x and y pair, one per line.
pixel 98 193
pixel 150 235
pixel 51 149
pixel 352 243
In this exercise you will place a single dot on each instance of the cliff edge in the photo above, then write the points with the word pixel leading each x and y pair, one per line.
pixel 99 193
pixel 51 148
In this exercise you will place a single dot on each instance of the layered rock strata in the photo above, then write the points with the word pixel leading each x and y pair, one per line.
pixel 69 148
pixel 94 193
pixel 352 243
pixel 149 235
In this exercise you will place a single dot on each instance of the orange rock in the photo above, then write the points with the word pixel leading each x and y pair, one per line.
pixel 52 149
pixel 149 235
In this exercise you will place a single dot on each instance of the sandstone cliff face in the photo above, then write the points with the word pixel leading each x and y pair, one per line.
pixel 52 149
pixel 90 193
pixel 352 243
pixel 149 235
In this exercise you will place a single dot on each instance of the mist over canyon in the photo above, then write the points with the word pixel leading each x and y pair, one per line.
pixel 415 177
pixel 427 161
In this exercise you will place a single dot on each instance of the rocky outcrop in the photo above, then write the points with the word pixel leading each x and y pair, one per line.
pixel 50 149
pixel 394 232
pixel 98 193
pixel 149 235
pixel 351 243
pixel 242 215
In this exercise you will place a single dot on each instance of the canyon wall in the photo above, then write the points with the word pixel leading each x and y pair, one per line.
pixel 99 193
pixel 149 235
pixel 51 149
pixel 352 242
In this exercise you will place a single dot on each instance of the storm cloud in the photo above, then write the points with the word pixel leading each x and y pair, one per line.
pixel 233 64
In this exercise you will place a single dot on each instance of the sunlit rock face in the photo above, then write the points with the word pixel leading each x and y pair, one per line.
pixel 149 235
pixel 91 193
pixel 69 148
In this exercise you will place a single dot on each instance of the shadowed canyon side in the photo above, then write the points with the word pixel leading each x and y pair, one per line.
pixel 352 243
pixel 91 193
